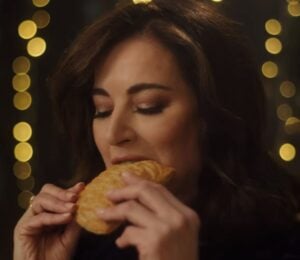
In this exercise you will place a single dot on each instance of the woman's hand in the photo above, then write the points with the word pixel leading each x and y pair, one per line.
pixel 161 227
pixel 47 229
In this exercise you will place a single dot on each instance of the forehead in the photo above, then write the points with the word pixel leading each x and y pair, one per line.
pixel 138 58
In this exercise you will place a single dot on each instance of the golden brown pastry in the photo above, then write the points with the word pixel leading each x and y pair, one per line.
pixel 93 196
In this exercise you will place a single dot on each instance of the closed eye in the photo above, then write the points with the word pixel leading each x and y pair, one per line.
pixel 151 110
pixel 102 114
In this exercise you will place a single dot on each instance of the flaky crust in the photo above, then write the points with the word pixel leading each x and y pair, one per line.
pixel 93 196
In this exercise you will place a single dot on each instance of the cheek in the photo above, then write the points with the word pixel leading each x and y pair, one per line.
pixel 176 136
pixel 99 140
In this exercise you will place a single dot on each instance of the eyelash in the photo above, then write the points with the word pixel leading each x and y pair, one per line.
pixel 144 111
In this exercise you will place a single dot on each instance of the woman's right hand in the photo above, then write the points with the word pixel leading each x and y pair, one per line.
pixel 47 230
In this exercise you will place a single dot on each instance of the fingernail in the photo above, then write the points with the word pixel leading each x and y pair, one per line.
pixel 100 212
pixel 69 205
pixel 109 193
pixel 126 174
pixel 80 184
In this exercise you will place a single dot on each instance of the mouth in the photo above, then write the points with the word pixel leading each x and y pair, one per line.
pixel 127 159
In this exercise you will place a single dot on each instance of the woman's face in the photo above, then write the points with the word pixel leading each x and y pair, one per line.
pixel 145 110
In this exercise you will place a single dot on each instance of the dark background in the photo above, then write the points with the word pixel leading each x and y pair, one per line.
pixel 49 162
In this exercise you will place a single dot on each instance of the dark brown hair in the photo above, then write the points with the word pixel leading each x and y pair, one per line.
pixel 241 189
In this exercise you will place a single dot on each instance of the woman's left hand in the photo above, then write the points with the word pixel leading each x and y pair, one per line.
pixel 161 226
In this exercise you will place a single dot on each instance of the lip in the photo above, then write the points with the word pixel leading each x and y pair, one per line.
pixel 127 158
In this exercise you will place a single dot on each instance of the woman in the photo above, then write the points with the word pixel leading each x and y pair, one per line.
pixel 170 81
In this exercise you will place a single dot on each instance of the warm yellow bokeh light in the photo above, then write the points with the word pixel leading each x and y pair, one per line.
pixel 270 69
pixel 36 47
pixel 23 152
pixel 40 3
pixel 292 120
pixel 292 125
pixel 41 18
pixel 287 152
pixel 21 65
pixel 141 1
pixel 27 184
pixel 27 29
pixel 273 27
pixel 21 82
pixel 22 132
pixel 217 1
pixel 284 111
pixel 24 199
pixel 287 89
pixel 22 100
pixel 294 8
pixel 22 170
pixel 273 45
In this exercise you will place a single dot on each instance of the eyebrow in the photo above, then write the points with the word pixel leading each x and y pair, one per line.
pixel 133 89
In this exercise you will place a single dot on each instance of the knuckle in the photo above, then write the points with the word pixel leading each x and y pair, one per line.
pixel 46 187
pixel 179 221
pixel 148 186
pixel 128 206
pixel 194 218
pixel 141 188
pixel 164 229
pixel 143 185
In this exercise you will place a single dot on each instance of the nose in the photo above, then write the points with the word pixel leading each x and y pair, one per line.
pixel 120 129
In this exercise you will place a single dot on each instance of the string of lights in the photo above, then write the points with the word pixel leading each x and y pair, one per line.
pixel 22 100
pixel 271 70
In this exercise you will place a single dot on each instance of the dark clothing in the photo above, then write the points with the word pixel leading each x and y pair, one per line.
pixel 284 247
pixel 92 247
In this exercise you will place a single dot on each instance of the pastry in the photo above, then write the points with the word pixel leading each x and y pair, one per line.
pixel 93 196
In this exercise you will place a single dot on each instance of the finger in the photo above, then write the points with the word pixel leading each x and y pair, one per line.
pixel 45 202
pixel 59 193
pixel 40 221
pixel 130 237
pixel 77 188
pixel 130 211
pixel 151 195
pixel 130 179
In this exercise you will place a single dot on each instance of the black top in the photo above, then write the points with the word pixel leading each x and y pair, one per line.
pixel 280 247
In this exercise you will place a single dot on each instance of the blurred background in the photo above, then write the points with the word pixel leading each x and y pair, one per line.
pixel 34 34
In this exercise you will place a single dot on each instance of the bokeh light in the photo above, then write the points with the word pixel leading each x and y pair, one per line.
pixel 21 65
pixel 273 27
pixel 36 47
pixel 273 45
pixel 27 29
pixel 292 125
pixel 40 3
pixel 27 184
pixel 22 132
pixel 294 8
pixel 22 170
pixel 23 152
pixel 287 152
pixel 24 199
pixel 141 1
pixel 270 69
pixel 21 82
pixel 41 18
pixel 22 100
pixel 284 111
pixel 287 89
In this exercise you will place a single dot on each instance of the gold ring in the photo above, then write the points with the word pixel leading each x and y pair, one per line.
pixel 31 201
